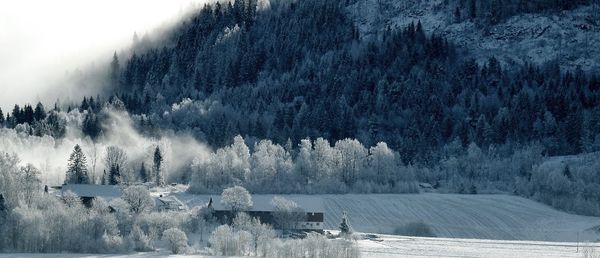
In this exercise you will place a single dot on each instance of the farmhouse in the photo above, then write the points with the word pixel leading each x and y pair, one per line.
pixel 88 192
pixel 169 203
pixel 262 208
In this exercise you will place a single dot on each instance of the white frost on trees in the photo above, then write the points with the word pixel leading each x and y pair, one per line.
pixel 138 198
pixel 236 198
pixel 176 239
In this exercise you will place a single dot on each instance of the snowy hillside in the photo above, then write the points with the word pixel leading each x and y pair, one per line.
pixel 461 216
pixel 569 36
pixel 449 215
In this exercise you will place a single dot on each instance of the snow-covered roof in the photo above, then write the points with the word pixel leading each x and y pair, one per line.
pixel 170 200
pixel 88 190
pixel 263 202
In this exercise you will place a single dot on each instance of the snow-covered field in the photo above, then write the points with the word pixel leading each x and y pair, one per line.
pixel 502 217
pixel 395 246
pixel 461 216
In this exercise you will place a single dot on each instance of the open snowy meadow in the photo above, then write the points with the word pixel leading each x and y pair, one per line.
pixel 397 246
pixel 400 246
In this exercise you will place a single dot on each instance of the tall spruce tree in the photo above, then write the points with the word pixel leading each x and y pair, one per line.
pixel 114 70
pixel 77 168
pixel 39 113
pixel 157 167
pixel 144 173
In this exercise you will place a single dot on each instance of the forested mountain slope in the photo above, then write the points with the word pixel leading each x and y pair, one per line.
pixel 326 94
pixel 309 69
pixel 515 32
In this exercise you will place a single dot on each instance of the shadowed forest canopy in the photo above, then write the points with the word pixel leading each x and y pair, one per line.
pixel 301 69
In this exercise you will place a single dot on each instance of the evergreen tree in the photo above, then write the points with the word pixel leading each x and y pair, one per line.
pixel 77 168
pixel 2 120
pixel 58 127
pixel 10 121
pixel 567 173
pixel 345 226
pixel 457 17
pixel 27 114
pixel 91 125
pixel 16 114
pixel 144 173
pixel 114 175
pixel 84 105
pixel 3 210
pixel 114 69
pixel 39 113
pixel 158 167
pixel 473 9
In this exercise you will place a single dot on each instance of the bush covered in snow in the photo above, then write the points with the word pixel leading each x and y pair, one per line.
pixel 176 239
pixel 312 246
pixel 418 229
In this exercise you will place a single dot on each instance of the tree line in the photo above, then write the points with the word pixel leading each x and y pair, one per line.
pixel 115 160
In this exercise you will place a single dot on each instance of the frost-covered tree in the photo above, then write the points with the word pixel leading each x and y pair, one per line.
pixel 236 198
pixel 323 158
pixel 261 233
pixel 304 162
pixel 176 239
pixel 271 165
pixel 383 162
pixel 114 161
pixel 351 159
pixel 225 241
pixel 141 241
pixel 30 182
pixel 287 213
pixel 225 166
pixel 139 199
pixel 77 172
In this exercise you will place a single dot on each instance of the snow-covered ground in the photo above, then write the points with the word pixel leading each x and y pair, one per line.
pixel 67 255
pixel 398 246
pixel 502 217
pixel 395 246
pixel 461 216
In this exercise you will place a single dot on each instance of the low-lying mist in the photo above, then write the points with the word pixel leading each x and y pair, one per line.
pixel 51 156
pixel 53 50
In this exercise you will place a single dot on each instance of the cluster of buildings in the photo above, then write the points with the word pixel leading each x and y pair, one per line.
pixel 262 206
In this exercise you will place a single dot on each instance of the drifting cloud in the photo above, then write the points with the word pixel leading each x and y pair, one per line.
pixel 44 42
pixel 51 155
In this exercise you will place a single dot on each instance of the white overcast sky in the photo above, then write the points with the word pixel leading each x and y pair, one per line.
pixel 40 40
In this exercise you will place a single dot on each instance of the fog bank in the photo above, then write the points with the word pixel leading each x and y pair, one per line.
pixel 44 42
